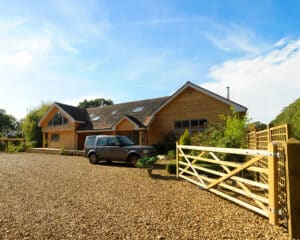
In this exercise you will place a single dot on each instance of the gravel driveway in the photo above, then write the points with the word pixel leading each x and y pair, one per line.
pixel 64 197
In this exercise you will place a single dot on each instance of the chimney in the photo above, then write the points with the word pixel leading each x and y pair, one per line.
pixel 228 93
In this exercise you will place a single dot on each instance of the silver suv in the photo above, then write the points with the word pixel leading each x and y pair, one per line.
pixel 115 148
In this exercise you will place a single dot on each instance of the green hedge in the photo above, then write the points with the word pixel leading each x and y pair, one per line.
pixel 171 167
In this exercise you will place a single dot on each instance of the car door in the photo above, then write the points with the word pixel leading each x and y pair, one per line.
pixel 102 148
pixel 115 150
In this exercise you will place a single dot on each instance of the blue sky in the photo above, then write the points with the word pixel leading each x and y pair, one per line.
pixel 67 51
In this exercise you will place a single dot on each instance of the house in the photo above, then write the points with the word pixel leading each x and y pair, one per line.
pixel 145 122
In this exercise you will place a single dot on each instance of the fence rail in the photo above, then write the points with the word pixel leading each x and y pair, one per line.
pixel 260 140
pixel 6 141
pixel 210 169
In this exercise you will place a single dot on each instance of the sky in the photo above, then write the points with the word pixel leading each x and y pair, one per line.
pixel 68 51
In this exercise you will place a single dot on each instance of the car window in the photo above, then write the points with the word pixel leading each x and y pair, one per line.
pixel 125 141
pixel 102 141
pixel 112 141
pixel 90 140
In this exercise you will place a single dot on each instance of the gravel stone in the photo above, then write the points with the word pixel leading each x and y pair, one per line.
pixel 64 197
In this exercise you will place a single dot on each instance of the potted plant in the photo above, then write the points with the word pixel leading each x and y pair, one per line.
pixel 147 162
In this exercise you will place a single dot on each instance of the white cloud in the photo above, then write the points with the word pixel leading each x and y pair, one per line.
pixel 11 24
pixel 67 46
pixel 265 84
pixel 20 58
pixel 233 38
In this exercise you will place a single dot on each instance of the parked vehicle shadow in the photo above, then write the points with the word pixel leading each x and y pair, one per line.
pixel 113 164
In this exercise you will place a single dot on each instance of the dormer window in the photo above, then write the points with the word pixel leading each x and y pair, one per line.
pixel 58 120
pixel 138 109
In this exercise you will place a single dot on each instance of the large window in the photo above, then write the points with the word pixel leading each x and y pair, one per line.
pixel 54 137
pixel 194 126
pixel 58 120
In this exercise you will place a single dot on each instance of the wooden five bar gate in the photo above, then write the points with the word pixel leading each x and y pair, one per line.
pixel 263 180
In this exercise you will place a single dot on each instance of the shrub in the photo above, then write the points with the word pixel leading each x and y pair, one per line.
pixel 185 139
pixel 168 143
pixel 171 167
pixel 146 162
pixel 11 148
pixel 230 132
pixel 171 154
pixel 62 150
pixel 33 144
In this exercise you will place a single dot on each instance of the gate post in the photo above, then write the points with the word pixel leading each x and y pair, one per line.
pixel 273 184
pixel 177 161
pixel 292 153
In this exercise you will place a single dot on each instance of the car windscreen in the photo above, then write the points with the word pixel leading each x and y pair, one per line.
pixel 125 141
pixel 90 140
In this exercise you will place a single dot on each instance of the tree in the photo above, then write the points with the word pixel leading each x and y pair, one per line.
pixel 290 115
pixel 8 124
pixel 258 126
pixel 95 103
pixel 32 132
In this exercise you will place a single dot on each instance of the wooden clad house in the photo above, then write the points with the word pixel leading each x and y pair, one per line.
pixel 145 122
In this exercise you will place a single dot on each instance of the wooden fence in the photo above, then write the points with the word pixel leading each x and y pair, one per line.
pixel 6 141
pixel 211 169
pixel 260 140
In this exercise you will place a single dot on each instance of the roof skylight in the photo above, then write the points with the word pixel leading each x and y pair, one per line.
pixel 94 117
pixel 138 109
pixel 114 112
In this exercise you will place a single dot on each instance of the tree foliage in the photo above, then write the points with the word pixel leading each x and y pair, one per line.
pixel 8 124
pixel 32 132
pixel 185 139
pixel 257 126
pixel 95 103
pixel 290 115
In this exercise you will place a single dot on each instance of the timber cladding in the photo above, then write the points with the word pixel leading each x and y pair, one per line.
pixel 125 125
pixel 188 105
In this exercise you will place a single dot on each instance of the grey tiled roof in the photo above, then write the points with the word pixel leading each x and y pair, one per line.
pixel 105 117
pixel 111 114
pixel 78 114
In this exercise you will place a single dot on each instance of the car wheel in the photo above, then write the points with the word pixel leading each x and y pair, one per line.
pixel 132 159
pixel 93 158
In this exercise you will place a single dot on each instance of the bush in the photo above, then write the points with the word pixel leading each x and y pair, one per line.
pixel 171 154
pixel 185 139
pixel 168 143
pixel 62 150
pixel 146 162
pixel 11 148
pixel 171 167
pixel 229 132
pixel 33 144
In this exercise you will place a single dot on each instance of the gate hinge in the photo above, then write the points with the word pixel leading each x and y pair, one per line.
pixel 274 210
